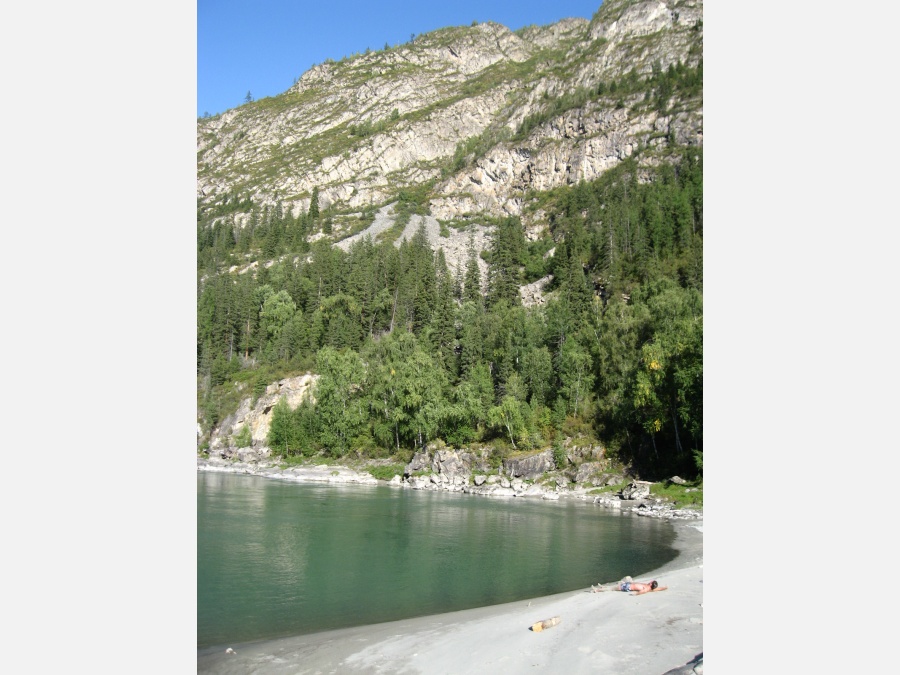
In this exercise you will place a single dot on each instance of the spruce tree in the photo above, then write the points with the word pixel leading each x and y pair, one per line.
pixel 507 251
pixel 313 212
pixel 443 331
pixel 424 295
pixel 472 282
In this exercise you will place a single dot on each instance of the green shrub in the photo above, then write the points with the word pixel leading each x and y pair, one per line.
pixel 259 387
pixel 679 495
pixel 559 456
pixel 461 435
pixel 291 460
pixel 386 472
pixel 499 452
pixel 606 489
pixel 242 439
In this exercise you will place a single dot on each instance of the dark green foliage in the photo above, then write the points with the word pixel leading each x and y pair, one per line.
pixel 406 353
pixel 559 456
pixel 340 404
pixel 414 199
pixel 313 212
pixel 443 328
pixel 506 256
pixel 259 386
pixel 281 428
pixel 405 388
pixel 294 432
pixel 472 283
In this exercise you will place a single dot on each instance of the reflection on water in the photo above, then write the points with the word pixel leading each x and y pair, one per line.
pixel 277 559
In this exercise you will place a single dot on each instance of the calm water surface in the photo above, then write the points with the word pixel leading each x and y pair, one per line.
pixel 277 558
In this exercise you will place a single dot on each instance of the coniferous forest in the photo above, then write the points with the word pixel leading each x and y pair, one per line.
pixel 409 352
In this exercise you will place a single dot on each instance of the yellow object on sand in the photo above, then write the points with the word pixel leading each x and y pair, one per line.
pixel 546 623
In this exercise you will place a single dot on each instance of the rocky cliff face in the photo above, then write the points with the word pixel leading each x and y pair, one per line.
pixel 257 415
pixel 448 109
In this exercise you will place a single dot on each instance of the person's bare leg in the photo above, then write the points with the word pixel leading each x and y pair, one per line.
pixel 611 587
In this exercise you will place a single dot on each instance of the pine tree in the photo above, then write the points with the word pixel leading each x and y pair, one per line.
pixel 423 280
pixel 472 283
pixel 443 331
pixel 507 251
pixel 471 340
pixel 576 289
pixel 313 212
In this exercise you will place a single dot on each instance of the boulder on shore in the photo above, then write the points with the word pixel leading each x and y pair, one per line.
pixel 531 467
pixel 636 490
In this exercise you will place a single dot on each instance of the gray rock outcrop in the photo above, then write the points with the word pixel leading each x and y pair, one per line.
pixel 447 462
pixel 420 462
pixel 530 467
pixel 533 293
pixel 589 472
pixel 636 490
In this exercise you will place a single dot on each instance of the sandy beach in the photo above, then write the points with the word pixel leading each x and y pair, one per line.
pixel 609 632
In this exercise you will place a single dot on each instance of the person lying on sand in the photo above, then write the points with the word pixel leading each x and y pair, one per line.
pixel 629 586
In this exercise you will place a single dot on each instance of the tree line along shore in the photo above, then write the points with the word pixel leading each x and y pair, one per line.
pixel 408 351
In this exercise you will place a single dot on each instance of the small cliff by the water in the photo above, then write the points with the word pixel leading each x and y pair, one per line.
pixel 256 415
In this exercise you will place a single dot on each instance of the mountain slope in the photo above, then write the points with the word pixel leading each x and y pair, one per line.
pixel 480 114
pixel 479 237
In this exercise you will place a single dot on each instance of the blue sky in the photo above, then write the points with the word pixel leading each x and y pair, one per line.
pixel 262 46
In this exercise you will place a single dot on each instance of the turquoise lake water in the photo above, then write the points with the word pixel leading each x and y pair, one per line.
pixel 278 558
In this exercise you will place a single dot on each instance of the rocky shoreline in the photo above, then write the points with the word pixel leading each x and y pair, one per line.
pixel 443 471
